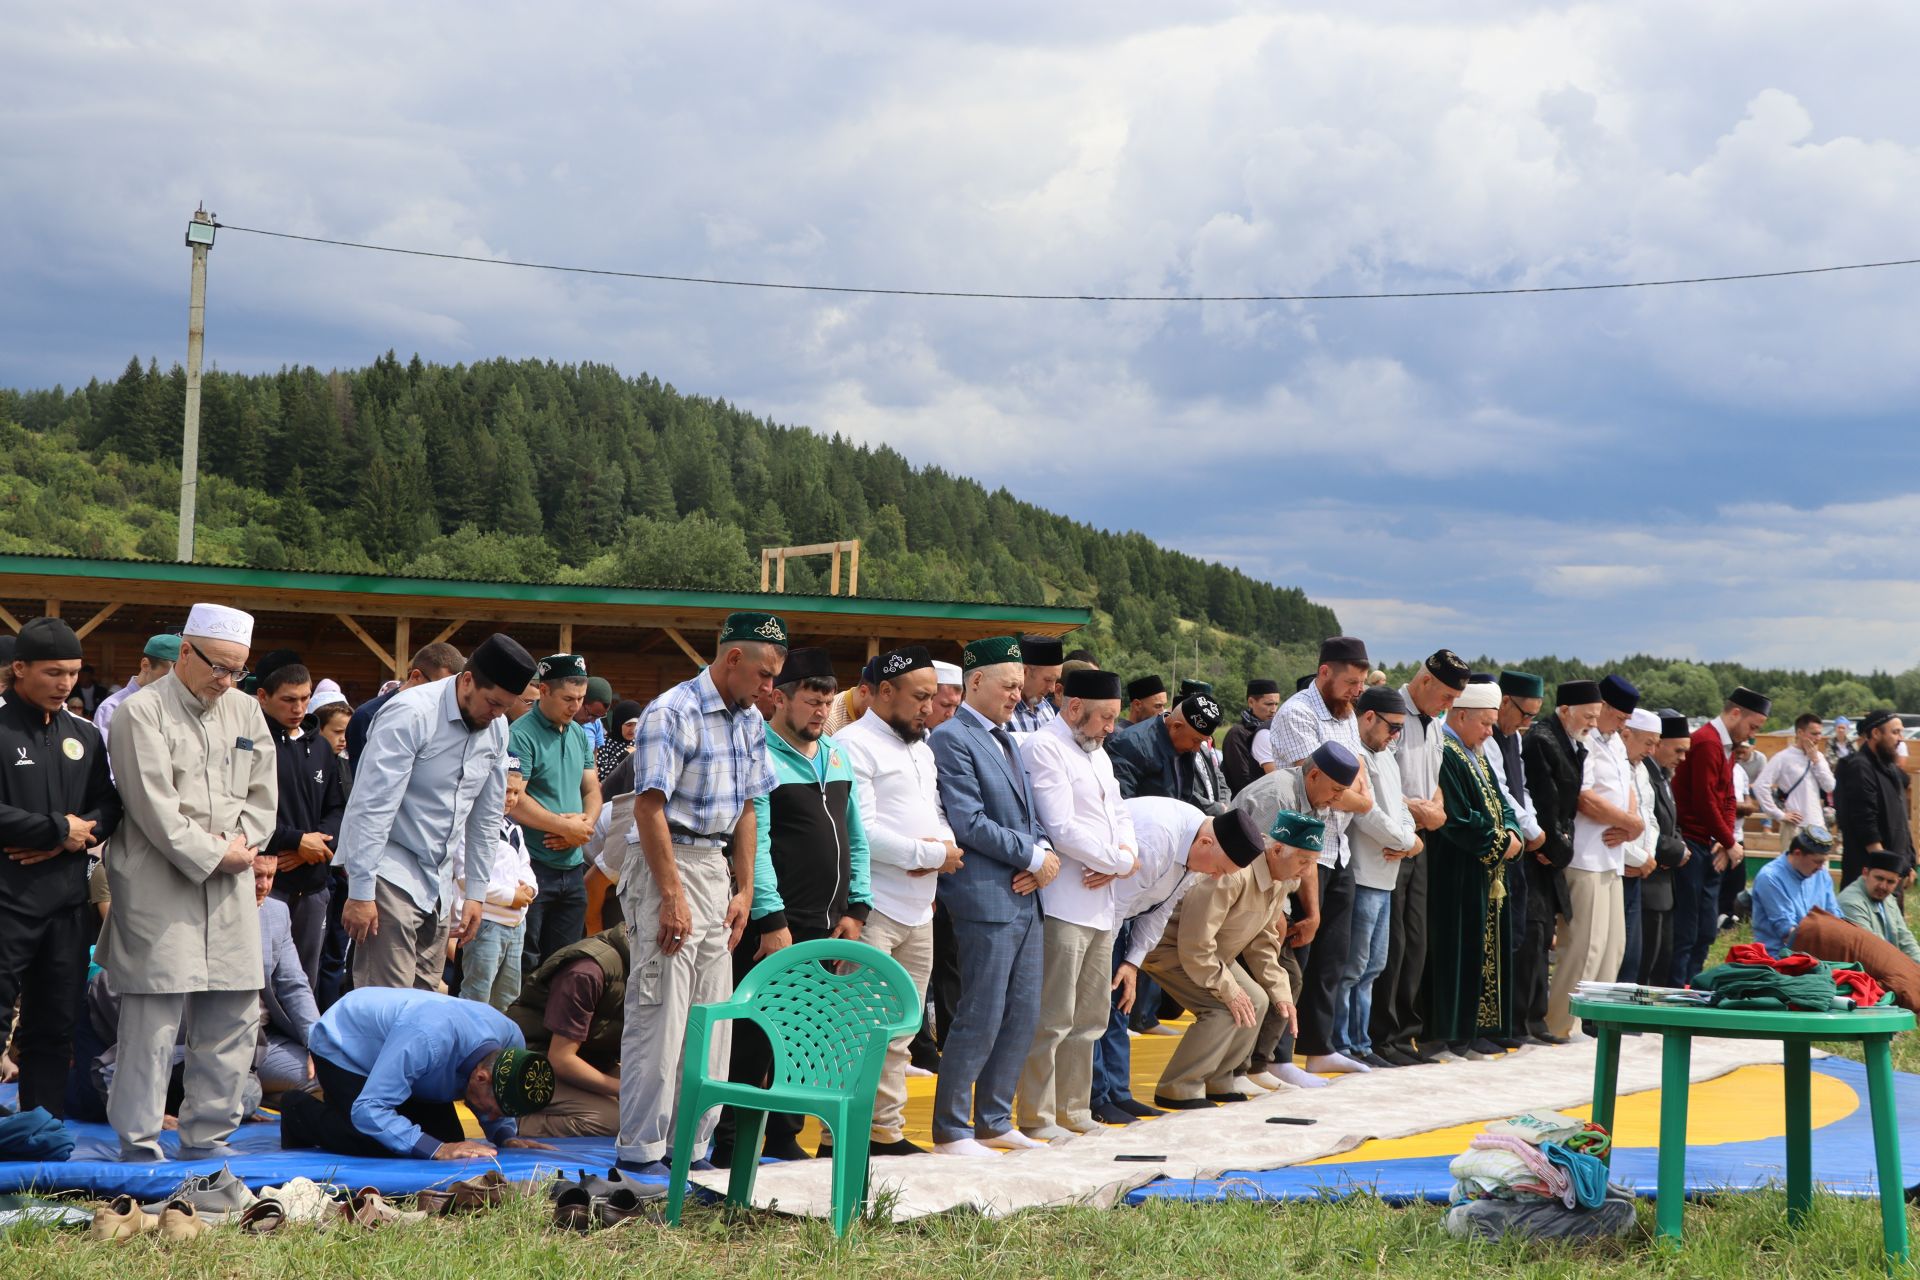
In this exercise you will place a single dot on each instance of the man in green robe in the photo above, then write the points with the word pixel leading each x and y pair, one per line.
pixel 1468 997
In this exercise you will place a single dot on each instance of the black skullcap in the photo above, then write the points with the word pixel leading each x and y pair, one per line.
pixel 1042 651
pixel 46 640
pixel 1304 681
pixel 1868 723
pixel 1748 700
pixel 902 661
pixel 1145 687
pixel 1343 649
pixel 1576 693
pixel 1336 762
pixel 1083 655
pixel 1673 724
pixel 1239 836
pixel 7 649
pixel 1262 687
pixel 1201 712
pixel 1382 700
pixel 1091 683
pixel 805 664
pixel 1448 668
pixel 1885 860
pixel 273 662
pixel 1482 677
pixel 503 660
pixel 1618 692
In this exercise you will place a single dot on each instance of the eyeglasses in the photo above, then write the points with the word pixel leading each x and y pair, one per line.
pixel 235 674
pixel 1395 728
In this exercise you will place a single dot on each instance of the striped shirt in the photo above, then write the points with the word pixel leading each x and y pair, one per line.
pixel 709 760
pixel 1298 728
pixel 1027 719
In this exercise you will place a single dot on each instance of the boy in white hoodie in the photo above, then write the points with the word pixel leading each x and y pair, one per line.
pixel 490 964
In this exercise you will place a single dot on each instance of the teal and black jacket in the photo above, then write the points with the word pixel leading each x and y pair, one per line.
pixel 810 867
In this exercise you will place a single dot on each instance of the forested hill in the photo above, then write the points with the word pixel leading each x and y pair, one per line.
pixel 532 471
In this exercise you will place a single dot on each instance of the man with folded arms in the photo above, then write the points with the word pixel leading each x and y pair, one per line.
pixel 1555 755
pixel 1221 921
pixel 909 844
pixel 1703 795
pixel 1080 809
pixel 1381 838
pixel 1669 853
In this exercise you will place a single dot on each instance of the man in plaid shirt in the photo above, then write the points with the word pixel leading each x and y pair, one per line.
pixel 699 759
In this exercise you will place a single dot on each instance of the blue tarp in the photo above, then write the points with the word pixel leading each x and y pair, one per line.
pixel 1843 1162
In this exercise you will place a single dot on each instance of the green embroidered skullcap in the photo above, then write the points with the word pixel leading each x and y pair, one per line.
pixel 1522 684
pixel 598 690
pixel 1298 830
pixel 754 628
pixel 562 666
pixel 1190 687
pixel 162 648
pixel 522 1081
pixel 991 652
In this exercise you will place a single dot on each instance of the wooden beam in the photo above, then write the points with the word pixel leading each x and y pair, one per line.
pixel 566 637
pixel 86 628
pixel 386 659
pixel 53 607
pixel 685 648
pixel 9 619
pixel 402 634
pixel 781 584
pixel 873 646
pixel 766 566
pixel 853 568
pixel 447 633
pixel 833 583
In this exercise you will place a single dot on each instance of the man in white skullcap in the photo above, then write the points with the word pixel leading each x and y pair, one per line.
pixel 196 769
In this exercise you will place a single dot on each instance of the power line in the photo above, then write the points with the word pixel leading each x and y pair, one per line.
pixel 1074 297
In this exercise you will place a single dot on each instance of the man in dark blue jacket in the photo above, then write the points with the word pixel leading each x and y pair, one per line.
pixel 313 798
pixel 1155 757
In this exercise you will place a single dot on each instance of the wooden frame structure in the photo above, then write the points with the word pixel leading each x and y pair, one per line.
pixel 772 556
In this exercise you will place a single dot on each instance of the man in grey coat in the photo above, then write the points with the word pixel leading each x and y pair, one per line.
pixel 196 769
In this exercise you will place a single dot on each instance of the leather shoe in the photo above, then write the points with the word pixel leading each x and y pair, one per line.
pixel 1113 1113
pixel 180 1221
pixel 1181 1104
pixel 1224 1098
pixel 1375 1060
pixel 899 1148
pixel 788 1150
pixel 1548 1038
pixel 573 1208
pixel 1139 1110
pixel 623 1205
pixel 1398 1057
pixel 1508 1043
pixel 122 1219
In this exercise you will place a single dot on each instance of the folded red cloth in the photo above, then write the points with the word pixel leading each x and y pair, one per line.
pixel 1862 986
pixel 1757 954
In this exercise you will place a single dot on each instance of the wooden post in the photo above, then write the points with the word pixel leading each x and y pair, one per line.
pixel 873 647
pixel 833 587
pixel 402 648
pixel 853 568
pixel 766 566
pixel 781 585
pixel 566 637
pixel 53 608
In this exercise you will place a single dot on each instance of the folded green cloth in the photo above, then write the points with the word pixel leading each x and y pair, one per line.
pixel 1751 986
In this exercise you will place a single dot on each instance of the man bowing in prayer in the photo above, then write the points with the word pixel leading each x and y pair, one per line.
pixel 197 776
pixel 1468 1000
pixel 427 797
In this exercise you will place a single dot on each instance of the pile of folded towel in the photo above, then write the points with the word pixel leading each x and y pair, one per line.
pixel 1540 1174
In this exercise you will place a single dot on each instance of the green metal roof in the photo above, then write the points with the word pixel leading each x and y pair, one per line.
pixel 229 576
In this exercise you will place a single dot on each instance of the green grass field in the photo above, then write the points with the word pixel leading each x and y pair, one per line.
pixel 1732 1237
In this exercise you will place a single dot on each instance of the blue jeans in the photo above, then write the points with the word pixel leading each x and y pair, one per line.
pixel 1113 1055
pixel 490 964
pixel 1366 960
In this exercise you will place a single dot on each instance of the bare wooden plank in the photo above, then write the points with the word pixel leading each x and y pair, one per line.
pixel 692 653
pixel 86 628
pixel 373 646
pixel 402 633
pixel 447 633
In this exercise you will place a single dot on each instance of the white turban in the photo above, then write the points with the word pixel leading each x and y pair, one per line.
pixel 946 673
pixel 1483 695
pixel 220 622
pixel 1643 721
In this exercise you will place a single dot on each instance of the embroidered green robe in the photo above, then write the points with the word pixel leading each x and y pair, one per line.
pixel 1466 986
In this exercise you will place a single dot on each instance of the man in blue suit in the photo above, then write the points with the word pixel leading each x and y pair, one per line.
pixel 995 905
pixel 1155 757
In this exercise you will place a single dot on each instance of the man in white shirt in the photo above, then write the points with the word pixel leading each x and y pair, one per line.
pixel 1079 805
pixel 909 844
pixel 1593 938
pixel 1791 789
pixel 1640 737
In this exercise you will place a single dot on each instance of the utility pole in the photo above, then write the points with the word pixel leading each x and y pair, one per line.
pixel 199 239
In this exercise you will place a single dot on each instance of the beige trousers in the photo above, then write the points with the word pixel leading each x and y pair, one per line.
pixel 1213 1049
pixel 222 1030
pixel 1056 1085
pixel 912 946
pixel 660 990
pixel 573 1113
pixel 1590 942
pixel 408 949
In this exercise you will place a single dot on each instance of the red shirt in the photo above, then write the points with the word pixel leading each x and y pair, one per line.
pixel 1703 789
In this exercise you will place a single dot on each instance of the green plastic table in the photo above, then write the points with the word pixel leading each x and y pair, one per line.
pixel 1678 1025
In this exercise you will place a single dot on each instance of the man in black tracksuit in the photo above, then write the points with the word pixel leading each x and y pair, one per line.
pixel 56 802
pixel 313 798
pixel 810 880
pixel 1555 758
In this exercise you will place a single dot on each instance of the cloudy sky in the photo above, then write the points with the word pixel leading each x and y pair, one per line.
pixel 1716 471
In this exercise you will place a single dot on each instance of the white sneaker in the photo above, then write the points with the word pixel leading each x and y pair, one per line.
pixel 1266 1080
pixel 1336 1063
pixel 1249 1086
pixel 1288 1073
pixel 960 1147
pixel 1011 1140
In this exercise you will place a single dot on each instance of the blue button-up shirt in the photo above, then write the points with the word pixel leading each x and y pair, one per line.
pixel 411 1044
pixel 427 796
pixel 708 759
pixel 1781 899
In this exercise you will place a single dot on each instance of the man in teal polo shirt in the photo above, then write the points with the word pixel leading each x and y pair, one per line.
pixel 559 808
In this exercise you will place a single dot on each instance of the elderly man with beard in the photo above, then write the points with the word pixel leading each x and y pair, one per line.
pixel 1640 854
pixel 1399 995
pixel 1468 1000
pixel 909 845
pixel 1080 808
pixel 993 899
pixel 1870 799
pixel 1320 713
pixel 1704 797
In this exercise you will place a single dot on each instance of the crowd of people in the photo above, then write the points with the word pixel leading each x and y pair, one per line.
pixel 496 884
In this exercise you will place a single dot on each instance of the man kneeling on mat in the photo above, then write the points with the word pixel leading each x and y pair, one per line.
pixel 1236 916
pixel 392 1064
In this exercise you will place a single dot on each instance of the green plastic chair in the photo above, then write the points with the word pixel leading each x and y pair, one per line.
pixel 829 1031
